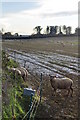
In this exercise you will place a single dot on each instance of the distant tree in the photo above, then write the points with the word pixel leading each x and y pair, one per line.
pixel 16 34
pixel 60 30
pixel 64 29
pixel 8 34
pixel 77 31
pixel 53 29
pixel 0 34
pixel 47 29
pixel 68 30
pixel 2 30
pixel 38 29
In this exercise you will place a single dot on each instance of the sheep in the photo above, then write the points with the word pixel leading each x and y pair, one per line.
pixel 24 73
pixel 62 44
pixel 14 70
pixel 61 83
pixel 20 71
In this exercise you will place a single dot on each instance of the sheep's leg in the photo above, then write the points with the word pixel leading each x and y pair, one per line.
pixel 23 77
pixel 26 78
pixel 71 90
pixel 54 92
pixel 68 92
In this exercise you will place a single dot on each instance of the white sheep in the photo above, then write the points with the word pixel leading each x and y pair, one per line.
pixel 20 71
pixel 24 73
pixel 61 83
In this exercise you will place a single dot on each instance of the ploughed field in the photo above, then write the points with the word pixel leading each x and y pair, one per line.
pixel 55 56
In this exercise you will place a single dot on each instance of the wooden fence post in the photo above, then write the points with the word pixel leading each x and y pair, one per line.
pixel 41 88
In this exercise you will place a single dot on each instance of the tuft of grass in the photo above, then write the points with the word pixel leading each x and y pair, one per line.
pixel 12 63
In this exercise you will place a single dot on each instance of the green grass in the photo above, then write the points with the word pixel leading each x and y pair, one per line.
pixel 13 107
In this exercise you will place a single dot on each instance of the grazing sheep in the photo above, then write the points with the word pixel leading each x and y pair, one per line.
pixel 24 73
pixel 14 70
pixel 62 44
pixel 61 83
pixel 20 71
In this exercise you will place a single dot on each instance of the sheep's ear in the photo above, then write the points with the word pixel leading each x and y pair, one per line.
pixel 49 75
pixel 54 76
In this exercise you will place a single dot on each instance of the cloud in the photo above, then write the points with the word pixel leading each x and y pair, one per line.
pixel 48 8
pixel 60 14
pixel 19 0
pixel 52 8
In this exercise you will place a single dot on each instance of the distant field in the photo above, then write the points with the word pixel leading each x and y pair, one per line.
pixel 61 45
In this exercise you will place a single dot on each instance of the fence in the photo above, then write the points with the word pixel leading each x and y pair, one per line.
pixel 33 105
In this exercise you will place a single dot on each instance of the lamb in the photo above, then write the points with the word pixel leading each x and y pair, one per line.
pixel 20 71
pixel 61 83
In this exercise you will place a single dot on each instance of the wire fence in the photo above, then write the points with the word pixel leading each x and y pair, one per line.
pixel 33 109
pixel 33 105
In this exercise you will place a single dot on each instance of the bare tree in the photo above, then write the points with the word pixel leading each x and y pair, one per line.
pixel 53 29
pixel 56 29
pixel 38 29
pixel 68 32
pixel 60 30
pixel 47 29
pixel 64 29
pixel 77 31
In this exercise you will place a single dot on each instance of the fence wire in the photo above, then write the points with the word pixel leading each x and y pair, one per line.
pixel 32 109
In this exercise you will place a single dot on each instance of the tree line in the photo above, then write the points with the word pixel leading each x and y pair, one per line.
pixel 49 31
pixel 54 30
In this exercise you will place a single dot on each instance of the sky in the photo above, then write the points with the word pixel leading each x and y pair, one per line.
pixel 22 16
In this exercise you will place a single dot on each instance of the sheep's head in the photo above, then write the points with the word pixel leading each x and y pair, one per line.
pixel 52 77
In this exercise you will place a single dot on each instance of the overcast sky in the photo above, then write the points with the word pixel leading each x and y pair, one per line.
pixel 23 16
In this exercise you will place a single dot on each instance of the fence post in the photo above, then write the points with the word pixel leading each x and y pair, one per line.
pixel 30 107
pixel 24 63
pixel 41 87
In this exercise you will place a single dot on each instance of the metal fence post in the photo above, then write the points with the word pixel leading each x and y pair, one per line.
pixel 13 54
pixel 30 107
pixel 24 63
pixel 41 88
